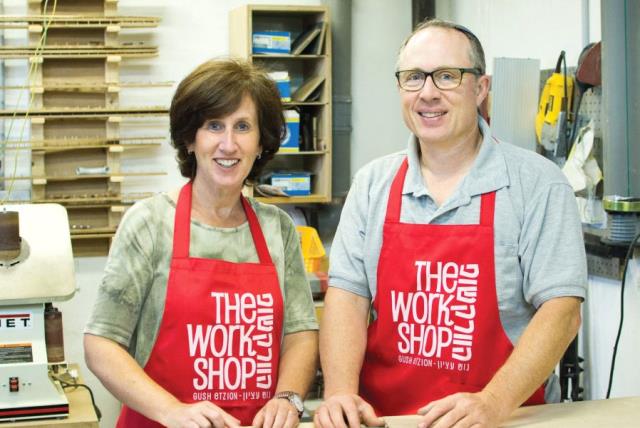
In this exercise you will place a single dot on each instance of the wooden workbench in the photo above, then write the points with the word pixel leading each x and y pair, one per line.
pixel 616 412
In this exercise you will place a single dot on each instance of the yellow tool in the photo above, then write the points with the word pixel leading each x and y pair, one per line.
pixel 555 103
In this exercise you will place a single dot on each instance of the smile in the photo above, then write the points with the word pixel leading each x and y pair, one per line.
pixel 432 114
pixel 226 163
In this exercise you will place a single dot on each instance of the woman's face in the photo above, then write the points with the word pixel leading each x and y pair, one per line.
pixel 226 147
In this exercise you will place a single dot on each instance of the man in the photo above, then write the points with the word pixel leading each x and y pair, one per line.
pixel 464 252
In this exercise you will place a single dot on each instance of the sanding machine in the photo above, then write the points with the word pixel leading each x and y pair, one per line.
pixel 36 267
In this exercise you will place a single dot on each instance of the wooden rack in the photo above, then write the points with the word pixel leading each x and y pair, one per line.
pixel 76 115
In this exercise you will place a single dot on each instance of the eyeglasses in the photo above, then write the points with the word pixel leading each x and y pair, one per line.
pixel 444 78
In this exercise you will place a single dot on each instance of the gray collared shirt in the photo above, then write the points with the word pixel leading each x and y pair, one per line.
pixel 539 249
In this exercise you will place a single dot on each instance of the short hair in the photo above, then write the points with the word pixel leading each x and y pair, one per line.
pixel 476 53
pixel 214 90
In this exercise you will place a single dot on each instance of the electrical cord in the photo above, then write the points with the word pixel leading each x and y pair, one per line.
pixel 617 342
pixel 65 384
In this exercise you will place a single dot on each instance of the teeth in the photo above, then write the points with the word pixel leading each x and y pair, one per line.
pixel 227 163
pixel 431 114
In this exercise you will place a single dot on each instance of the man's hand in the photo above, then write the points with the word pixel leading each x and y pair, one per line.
pixel 463 410
pixel 342 410
pixel 277 413
pixel 202 414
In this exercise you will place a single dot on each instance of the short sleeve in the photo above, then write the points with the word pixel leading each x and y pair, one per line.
pixel 127 277
pixel 552 253
pixel 347 266
pixel 299 308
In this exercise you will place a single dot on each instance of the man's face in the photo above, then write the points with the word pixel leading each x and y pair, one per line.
pixel 435 116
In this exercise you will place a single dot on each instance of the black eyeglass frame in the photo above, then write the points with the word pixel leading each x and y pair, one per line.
pixel 474 71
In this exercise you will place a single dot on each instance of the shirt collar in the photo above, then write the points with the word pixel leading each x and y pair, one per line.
pixel 488 173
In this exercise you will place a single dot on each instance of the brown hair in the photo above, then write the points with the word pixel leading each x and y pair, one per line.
pixel 214 90
pixel 476 53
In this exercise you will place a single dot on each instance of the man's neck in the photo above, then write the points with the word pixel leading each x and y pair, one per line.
pixel 449 158
pixel 443 166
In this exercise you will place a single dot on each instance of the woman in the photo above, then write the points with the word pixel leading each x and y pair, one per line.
pixel 204 315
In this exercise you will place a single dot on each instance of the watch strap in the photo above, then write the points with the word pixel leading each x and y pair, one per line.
pixel 294 398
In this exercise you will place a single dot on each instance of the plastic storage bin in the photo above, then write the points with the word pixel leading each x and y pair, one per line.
pixel 312 249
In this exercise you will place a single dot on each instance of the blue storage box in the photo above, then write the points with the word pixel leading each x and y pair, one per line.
pixel 283 82
pixel 271 42
pixel 292 183
pixel 291 141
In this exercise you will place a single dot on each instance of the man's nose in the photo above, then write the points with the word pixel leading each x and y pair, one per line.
pixel 429 89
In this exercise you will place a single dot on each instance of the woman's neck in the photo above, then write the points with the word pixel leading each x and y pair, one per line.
pixel 215 207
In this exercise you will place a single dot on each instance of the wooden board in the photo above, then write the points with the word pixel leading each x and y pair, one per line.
pixel 617 412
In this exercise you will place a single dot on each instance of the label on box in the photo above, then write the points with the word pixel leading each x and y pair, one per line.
pixel 271 42
pixel 293 184
pixel 291 141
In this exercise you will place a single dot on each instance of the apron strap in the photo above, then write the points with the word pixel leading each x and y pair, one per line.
pixel 182 227
pixel 182 223
pixel 394 203
pixel 256 232
pixel 487 208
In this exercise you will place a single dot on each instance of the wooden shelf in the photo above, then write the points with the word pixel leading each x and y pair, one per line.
pixel 86 112
pixel 77 21
pixel 62 144
pixel 92 231
pixel 304 153
pixel 304 103
pixel 286 56
pixel 96 202
pixel 10 52
pixel 315 116
pixel 311 199
pixel 85 85
pixel 112 147
pixel 112 177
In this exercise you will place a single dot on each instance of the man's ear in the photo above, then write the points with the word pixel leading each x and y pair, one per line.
pixel 482 88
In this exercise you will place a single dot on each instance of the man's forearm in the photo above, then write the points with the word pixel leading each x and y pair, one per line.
pixel 343 339
pixel 539 349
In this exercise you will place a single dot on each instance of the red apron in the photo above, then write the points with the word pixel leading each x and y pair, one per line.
pixel 438 328
pixel 219 339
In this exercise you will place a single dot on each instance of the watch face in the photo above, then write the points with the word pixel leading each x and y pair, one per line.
pixel 297 402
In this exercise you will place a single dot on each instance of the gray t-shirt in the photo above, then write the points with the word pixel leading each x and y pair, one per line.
pixel 132 293
pixel 539 249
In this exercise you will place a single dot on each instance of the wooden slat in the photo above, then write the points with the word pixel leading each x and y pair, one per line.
pixel 87 112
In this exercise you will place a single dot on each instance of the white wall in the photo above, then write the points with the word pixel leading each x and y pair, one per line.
pixel 600 326
pixel 379 27
pixel 525 29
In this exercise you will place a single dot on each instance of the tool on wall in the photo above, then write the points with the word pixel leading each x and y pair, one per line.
pixel 553 110
pixel 588 76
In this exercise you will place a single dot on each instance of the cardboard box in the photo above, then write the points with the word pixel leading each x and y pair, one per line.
pixel 291 141
pixel 271 42
pixel 283 82
pixel 292 183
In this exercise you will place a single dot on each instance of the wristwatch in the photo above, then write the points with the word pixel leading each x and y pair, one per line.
pixel 294 399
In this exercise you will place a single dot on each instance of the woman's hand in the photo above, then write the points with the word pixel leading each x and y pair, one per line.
pixel 277 413
pixel 202 414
